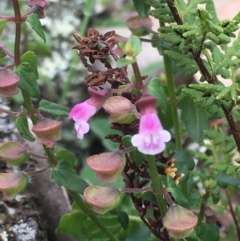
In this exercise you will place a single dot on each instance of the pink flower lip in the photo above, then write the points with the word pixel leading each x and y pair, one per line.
pixel 152 137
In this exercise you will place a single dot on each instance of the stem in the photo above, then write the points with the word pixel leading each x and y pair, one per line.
pixel 88 211
pixel 233 214
pixel 157 184
pixel 13 113
pixel 173 101
pixel 138 77
pixel 87 13
pixel 136 190
pixel 18 23
pixel 202 208
pixel 208 77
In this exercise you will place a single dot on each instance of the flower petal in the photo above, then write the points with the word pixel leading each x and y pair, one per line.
pixel 82 127
pixel 82 111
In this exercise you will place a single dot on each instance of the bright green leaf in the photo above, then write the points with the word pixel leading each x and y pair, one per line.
pixel 136 44
pixel 33 20
pixel 28 81
pixel 124 62
pixel 65 155
pixel 23 128
pixel 31 58
pixel 142 7
pixel 64 175
pixel 53 108
pixel 3 23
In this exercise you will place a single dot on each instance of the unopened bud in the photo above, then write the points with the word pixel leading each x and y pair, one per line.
pixel 47 132
pixel 102 199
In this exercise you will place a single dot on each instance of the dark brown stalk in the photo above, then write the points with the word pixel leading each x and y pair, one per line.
pixel 208 77
pixel 233 214
pixel 18 23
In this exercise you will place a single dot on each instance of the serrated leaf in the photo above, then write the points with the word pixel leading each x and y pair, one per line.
pixel 3 23
pixel 53 108
pixel 64 175
pixel 28 80
pixel 31 58
pixel 23 128
pixel 142 7
pixel 195 118
pixel 35 23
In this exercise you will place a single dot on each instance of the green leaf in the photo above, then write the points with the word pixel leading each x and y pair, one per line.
pixel 177 193
pixel 204 231
pixel 65 155
pixel 35 23
pixel 195 118
pixel 31 58
pixel 184 162
pixel 136 156
pixel 135 43
pixel 23 128
pixel 28 80
pixel 64 175
pixel 155 88
pixel 122 62
pixel 123 219
pixel 3 23
pixel 224 180
pixel 142 7
pixel 83 228
pixel 53 108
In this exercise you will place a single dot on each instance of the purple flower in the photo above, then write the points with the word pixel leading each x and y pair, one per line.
pixel 152 137
pixel 82 112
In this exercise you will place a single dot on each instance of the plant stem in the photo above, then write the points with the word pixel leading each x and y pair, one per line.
pixel 233 214
pixel 173 101
pixel 84 24
pixel 88 211
pixel 138 77
pixel 157 184
pixel 18 23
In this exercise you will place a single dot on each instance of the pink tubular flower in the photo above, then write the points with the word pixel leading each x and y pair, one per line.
pixel 82 112
pixel 151 137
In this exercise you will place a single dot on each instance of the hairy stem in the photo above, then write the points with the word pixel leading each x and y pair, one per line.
pixel 157 184
pixel 138 77
pixel 88 211
pixel 173 101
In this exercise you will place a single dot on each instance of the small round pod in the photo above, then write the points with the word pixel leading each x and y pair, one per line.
pixel 179 221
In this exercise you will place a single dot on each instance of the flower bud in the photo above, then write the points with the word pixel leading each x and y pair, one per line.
pixel 8 83
pixel 47 132
pixel 13 152
pixel 179 221
pixel 108 166
pixel 137 25
pixel 102 199
pixel 120 110
pixel 12 184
